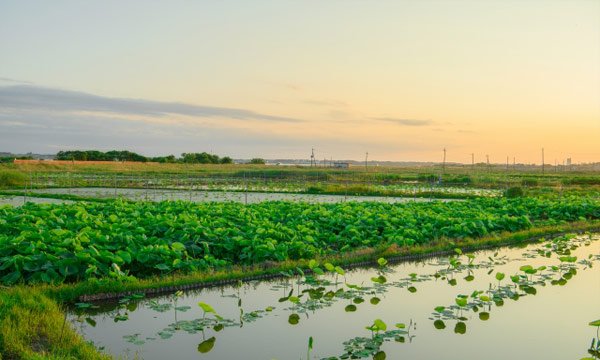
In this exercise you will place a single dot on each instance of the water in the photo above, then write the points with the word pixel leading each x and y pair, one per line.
pixel 20 200
pixel 219 196
pixel 552 324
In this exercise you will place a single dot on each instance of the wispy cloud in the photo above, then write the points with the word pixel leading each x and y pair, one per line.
pixel 325 102
pixel 45 132
pixel 41 119
pixel 4 79
pixel 287 86
pixel 35 98
pixel 405 122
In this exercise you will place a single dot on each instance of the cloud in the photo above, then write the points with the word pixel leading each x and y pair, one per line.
pixel 292 87
pixel 48 132
pixel 35 98
pixel 15 80
pixel 327 103
pixel 405 122
pixel 45 120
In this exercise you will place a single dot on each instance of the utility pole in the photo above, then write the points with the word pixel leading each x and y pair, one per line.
pixel 543 166
pixel 366 160
pixel 444 162
pixel 313 162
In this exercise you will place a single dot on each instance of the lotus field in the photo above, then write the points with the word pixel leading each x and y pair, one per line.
pixel 56 243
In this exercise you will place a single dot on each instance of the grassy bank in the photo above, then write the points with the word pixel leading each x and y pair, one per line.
pixel 33 326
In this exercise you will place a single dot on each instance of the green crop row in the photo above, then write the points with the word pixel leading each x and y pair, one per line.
pixel 43 243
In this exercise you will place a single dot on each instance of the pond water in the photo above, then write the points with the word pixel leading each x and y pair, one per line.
pixel 219 196
pixel 20 200
pixel 540 309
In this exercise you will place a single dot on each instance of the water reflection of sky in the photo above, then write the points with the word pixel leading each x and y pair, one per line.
pixel 221 196
pixel 549 325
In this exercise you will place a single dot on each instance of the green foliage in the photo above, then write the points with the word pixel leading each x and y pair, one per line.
pixel 12 178
pixel 200 158
pixel 461 300
pixel 114 155
pixel 529 182
pixel 169 159
pixel 513 192
pixel 257 161
pixel 33 327
pixel 10 159
pixel 95 155
pixel 226 160
pixel 206 308
pixel 582 180
pixel 43 243
pixel 207 345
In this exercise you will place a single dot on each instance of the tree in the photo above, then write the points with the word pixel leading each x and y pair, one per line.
pixel 257 161
pixel 226 160
pixel 200 158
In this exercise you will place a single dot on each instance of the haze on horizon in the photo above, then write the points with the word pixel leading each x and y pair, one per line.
pixel 399 79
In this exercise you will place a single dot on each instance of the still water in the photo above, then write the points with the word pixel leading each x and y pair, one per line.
pixel 220 196
pixel 541 313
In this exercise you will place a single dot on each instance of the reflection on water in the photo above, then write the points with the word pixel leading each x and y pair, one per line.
pixel 21 200
pixel 531 302
pixel 220 196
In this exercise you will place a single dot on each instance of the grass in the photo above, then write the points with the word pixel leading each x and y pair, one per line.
pixel 10 178
pixel 33 326
pixel 478 175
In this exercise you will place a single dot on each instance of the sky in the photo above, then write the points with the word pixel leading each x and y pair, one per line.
pixel 401 80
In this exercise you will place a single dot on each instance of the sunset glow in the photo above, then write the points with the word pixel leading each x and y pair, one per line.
pixel 399 79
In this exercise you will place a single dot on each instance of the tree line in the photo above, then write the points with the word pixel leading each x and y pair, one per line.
pixel 10 159
pixel 114 155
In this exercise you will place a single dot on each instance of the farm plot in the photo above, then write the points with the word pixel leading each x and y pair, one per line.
pixel 72 242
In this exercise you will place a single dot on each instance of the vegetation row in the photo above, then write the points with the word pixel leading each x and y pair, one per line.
pixel 44 243
pixel 114 155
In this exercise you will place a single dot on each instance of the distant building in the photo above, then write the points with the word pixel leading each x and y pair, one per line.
pixel 341 165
